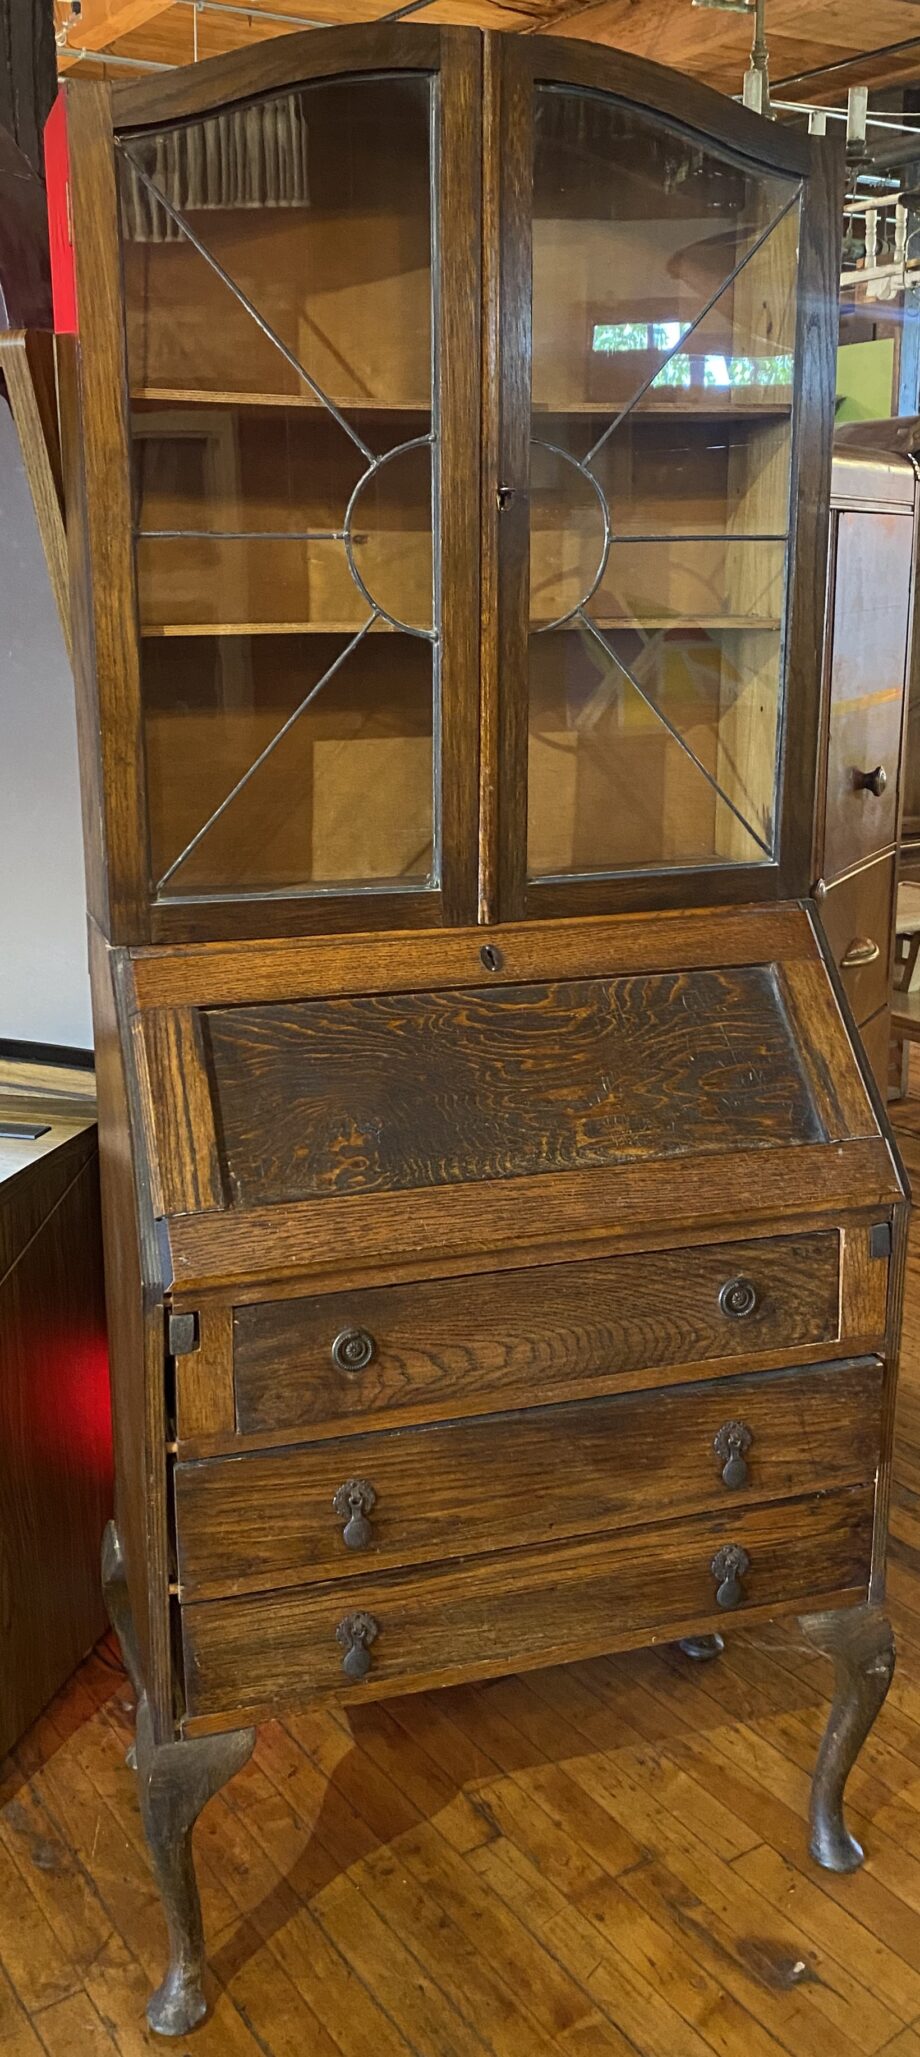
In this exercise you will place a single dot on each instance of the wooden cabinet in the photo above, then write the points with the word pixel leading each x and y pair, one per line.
pixel 864 760
pixel 504 1241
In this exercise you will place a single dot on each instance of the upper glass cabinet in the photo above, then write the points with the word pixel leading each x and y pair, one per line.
pixel 663 355
pixel 474 389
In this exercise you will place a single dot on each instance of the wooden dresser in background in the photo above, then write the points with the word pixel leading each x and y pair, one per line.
pixel 55 1437
pixel 504 1238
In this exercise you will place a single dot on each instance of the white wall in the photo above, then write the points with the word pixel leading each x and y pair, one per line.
pixel 44 990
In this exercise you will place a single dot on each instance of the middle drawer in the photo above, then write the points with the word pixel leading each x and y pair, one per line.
pixel 410 1496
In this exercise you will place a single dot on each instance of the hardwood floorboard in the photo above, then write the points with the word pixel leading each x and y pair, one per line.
pixel 606 1860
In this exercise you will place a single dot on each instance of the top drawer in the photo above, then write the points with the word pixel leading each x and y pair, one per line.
pixel 520 1338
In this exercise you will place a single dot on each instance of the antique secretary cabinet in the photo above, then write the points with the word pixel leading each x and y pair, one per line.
pixel 504 1239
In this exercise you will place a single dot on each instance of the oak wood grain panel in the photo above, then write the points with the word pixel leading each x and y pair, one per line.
pixel 536 1607
pixel 870 626
pixel 317 53
pixel 834 1080
pixel 522 1337
pixel 370 1095
pixel 863 1285
pixel 99 519
pixel 177 1110
pixel 204 1377
pixel 345 1240
pixel 245 1524
pixel 134 1308
pixel 211 974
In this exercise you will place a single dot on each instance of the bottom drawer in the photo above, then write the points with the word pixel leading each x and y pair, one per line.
pixel 543 1606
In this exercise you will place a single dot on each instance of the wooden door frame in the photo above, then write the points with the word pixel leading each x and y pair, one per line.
pixel 513 67
pixel 102 540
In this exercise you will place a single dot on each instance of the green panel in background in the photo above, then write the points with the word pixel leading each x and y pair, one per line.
pixel 865 380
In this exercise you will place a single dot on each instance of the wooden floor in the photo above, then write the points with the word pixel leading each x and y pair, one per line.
pixel 608 1858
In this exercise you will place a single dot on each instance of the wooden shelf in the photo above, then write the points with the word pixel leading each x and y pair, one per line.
pixel 202 396
pixel 265 628
pixel 721 409
pixel 350 628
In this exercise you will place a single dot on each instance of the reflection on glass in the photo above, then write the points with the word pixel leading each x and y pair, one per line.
pixel 279 334
pixel 664 316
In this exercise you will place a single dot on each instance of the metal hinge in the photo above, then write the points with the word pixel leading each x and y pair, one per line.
pixel 181 1334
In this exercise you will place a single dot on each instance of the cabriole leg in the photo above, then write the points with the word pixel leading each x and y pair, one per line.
pixel 174 1781
pixel 861 1643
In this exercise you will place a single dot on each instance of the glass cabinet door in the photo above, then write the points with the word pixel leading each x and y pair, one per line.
pixel 282 313
pixel 662 296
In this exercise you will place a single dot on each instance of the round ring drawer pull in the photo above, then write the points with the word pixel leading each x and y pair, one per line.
pixel 353 1502
pixel 729 1566
pixel 738 1297
pixel 354 1635
pixel 862 950
pixel 353 1349
pixel 731 1444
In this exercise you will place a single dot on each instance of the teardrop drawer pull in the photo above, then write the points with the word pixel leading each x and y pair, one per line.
pixel 728 1568
pixel 354 1635
pixel 731 1445
pixel 862 950
pixel 353 1502
pixel 738 1298
pixel 353 1349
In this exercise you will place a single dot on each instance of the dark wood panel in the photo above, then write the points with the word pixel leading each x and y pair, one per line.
pixel 55 1435
pixel 244 1524
pixel 364 1095
pixel 537 1607
pixel 334 1242
pixel 504 1339
pixel 218 81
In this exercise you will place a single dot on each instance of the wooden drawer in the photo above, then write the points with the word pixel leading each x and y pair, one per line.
pixel 533 1607
pixel 858 917
pixel 244 1523
pixel 470 1345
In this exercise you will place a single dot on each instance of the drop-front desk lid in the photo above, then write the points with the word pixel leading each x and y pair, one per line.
pixel 383 1107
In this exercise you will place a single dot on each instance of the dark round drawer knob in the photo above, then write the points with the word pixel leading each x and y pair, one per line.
pixel 871 781
pixel 353 1349
pixel 738 1298
pixel 729 1566
pixel 354 1636
pixel 731 1445
pixel 353 1502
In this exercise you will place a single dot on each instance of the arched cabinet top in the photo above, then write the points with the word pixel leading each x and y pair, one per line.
pixel 292 60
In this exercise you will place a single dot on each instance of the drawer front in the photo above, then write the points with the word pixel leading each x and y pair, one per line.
pixel 534 1607
pixel 417 1495
pixel 502 1339
pixel 870 642
pixel 858 917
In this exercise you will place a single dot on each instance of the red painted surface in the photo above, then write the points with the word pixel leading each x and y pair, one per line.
pixel 60 229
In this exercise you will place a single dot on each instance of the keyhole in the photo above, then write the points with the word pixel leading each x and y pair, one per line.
pixel 491 957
